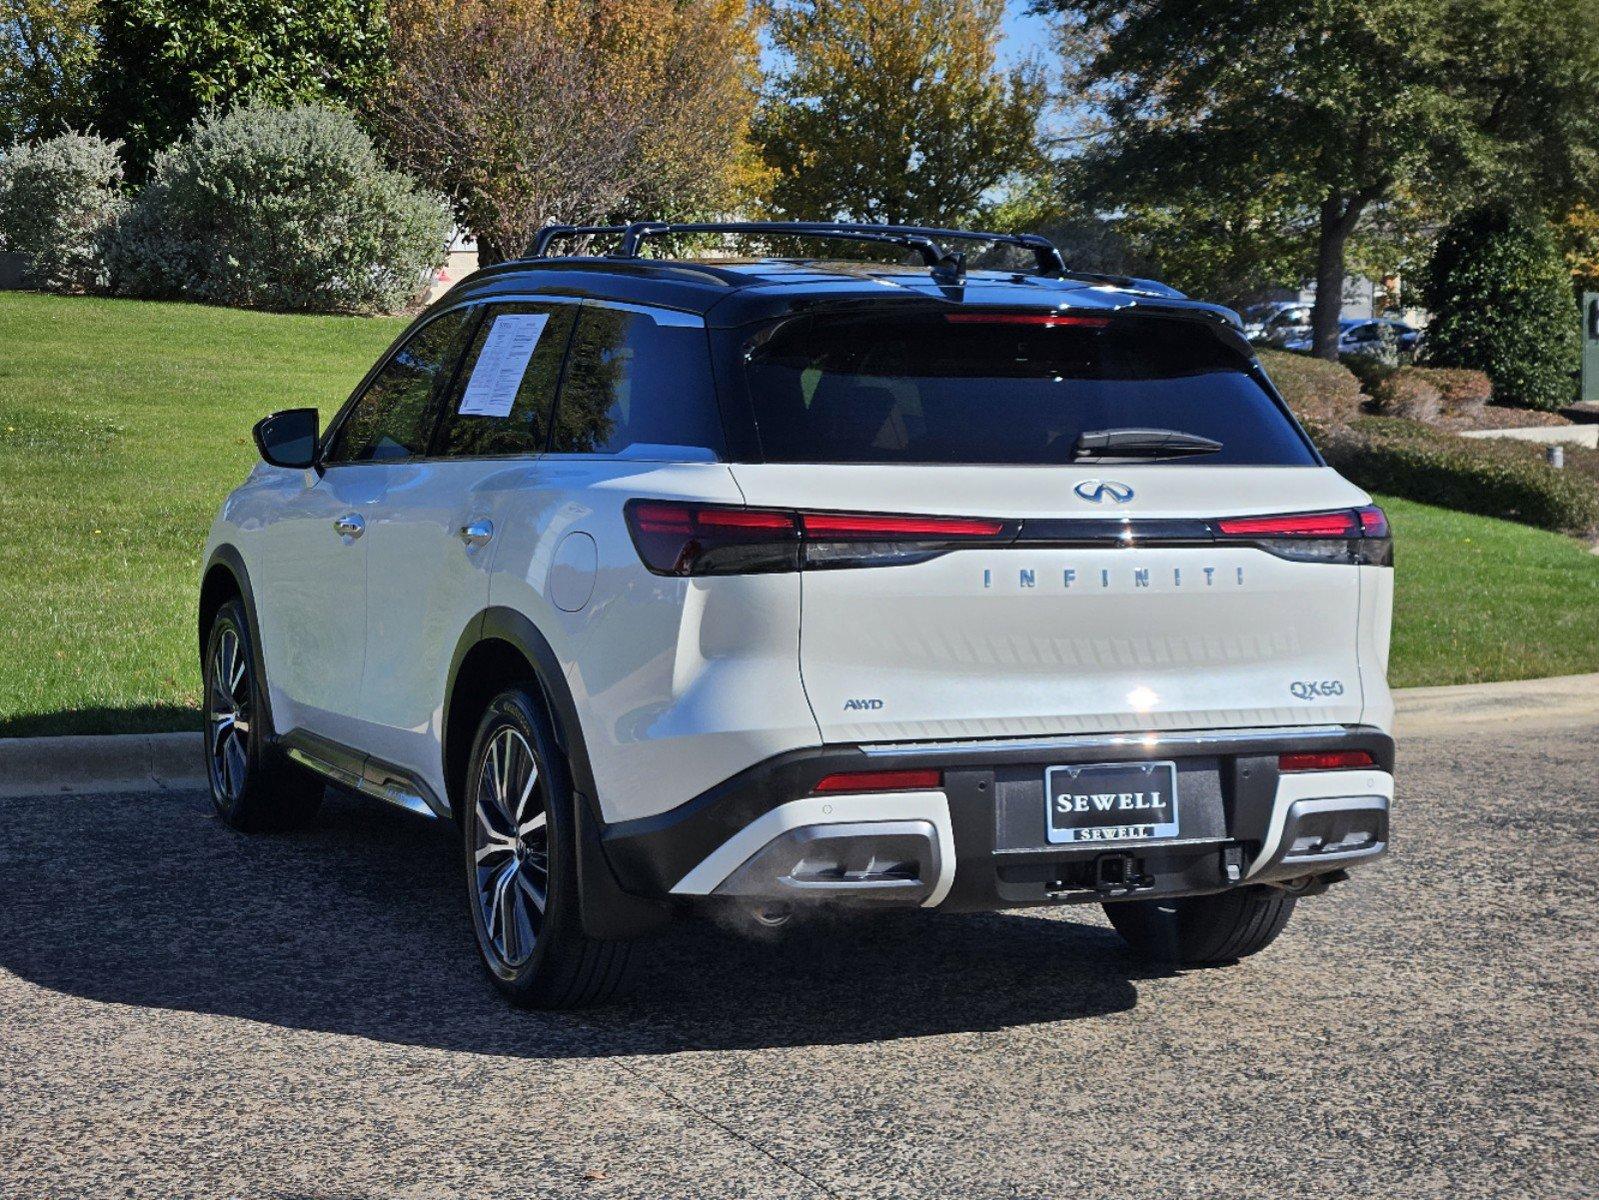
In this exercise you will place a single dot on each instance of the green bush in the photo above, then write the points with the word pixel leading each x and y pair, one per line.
pixel 59 203
pixel 1321 393
pixel 1502 302
pixel 1495 477
pixel 282 209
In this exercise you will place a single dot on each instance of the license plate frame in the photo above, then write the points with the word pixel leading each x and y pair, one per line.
pixel 1108 790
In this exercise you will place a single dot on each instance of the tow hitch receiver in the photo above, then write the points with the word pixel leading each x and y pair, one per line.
pixel 1120 874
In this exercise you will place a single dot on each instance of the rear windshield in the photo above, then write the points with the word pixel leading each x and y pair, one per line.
pixel 1002 388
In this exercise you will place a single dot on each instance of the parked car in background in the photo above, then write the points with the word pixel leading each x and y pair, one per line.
pixel 1277 322
pixel 1358 336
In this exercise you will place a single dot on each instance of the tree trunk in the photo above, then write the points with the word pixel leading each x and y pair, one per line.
pixel 1332 239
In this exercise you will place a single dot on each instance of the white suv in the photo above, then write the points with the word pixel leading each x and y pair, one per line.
pixel 779 582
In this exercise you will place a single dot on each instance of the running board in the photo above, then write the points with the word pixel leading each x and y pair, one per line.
pixel 360 773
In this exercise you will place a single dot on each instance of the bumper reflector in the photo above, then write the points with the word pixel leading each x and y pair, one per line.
pixel 1325 760
pixel 881 781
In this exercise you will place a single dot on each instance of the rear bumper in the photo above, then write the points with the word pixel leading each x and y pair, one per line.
pixel 976 843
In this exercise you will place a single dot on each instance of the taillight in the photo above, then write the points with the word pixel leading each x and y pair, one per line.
pixel 881 781
pixel 677 538
pixel 1325 760
pixel 1354 535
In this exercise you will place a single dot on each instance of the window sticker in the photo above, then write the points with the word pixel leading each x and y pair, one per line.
pixel 497 374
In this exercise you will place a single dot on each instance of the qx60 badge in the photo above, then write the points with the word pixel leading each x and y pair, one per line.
pixel 1100 490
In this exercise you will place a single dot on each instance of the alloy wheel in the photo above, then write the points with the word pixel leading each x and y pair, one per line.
pixel 228 715
pixel 510 847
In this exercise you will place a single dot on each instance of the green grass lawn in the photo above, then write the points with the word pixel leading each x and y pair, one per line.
pixel 123 424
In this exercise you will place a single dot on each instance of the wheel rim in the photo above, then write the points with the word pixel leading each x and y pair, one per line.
pixel 510 853
pixel 228 715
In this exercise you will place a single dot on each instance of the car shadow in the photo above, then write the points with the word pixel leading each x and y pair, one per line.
pixel 358 926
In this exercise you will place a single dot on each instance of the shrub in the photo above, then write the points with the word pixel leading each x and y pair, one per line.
pixel 1408 394
pixel 1425 393
pixel 1495 477
pixel 59 203
pixel 285 209
pixel 1502 303
pixel 1321 393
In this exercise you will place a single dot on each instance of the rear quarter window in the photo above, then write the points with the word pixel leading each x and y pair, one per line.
pixel 637 383
pixel 998 388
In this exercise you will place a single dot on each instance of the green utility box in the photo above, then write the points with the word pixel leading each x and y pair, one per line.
pixel 1590 346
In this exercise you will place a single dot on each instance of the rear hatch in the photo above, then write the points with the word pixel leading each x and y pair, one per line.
pixel 1109 566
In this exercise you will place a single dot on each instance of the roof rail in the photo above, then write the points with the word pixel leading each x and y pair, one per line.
pixel 946 267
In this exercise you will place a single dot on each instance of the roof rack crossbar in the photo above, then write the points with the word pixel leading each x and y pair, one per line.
pixel 923 239
pixel 555 233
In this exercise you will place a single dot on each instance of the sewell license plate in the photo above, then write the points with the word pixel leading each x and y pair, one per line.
pixel 1111 802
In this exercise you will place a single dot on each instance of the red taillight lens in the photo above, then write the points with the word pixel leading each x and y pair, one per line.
pixel 1373 521
pixel 678 538
pixel 1325 760
pixel 1299 525
pixel 1046 320
pixel 866 525
pixel 881 781
pixel 694 539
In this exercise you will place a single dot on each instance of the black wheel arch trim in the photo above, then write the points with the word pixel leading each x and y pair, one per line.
pixel 608 908
pixel 227 557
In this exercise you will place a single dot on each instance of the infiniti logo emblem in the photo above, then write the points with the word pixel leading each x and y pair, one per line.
pixel 1100 490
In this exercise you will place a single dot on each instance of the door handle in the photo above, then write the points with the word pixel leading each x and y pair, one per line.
pixel 350 525
pixel 476 533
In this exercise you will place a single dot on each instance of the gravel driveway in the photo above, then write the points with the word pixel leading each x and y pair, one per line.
pixel 191 1012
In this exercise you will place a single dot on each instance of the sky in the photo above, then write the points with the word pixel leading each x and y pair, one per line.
pixel 1023 32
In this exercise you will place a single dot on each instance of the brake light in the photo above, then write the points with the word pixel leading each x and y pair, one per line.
pixel 1047 320
pixel 1351 535
pixel 677 538
pixel 1300 525
pixel 852 525
pixel 1325 760
pixel 881 781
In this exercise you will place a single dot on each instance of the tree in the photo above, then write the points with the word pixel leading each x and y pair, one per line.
pixel 893 110
pixel 1332 107
pixel 161 63
pixel 46 50
pixel 1501 302
pixel 528 112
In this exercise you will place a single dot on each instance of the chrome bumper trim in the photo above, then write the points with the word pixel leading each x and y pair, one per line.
pixel 1198 739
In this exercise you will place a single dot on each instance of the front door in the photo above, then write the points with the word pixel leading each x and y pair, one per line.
pixel 319 559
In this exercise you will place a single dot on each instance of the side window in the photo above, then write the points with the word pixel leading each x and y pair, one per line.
pixel 501 400
pixel 631 381
pixel 394 416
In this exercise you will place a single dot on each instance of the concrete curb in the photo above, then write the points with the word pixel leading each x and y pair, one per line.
pixel 130 762
pixel 150 762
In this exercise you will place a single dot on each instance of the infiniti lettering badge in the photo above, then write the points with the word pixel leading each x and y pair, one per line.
pixel 1100 490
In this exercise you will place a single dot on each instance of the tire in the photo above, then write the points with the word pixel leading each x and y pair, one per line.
pixel 1202 931
pixel 254 786
pixel 519 850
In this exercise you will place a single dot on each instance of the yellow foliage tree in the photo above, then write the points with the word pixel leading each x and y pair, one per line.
pixel 528 112
pixel 894 110
pixel 1579 236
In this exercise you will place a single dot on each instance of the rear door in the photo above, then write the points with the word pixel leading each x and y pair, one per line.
pixel 434 534
pixel 1090 592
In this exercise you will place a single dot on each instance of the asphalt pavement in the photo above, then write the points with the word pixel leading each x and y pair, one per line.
pixel 187 1011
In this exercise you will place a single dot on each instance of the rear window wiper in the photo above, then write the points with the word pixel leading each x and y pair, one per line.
pixel 1141 443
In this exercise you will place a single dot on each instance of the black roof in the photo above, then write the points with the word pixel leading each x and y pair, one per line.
pixel 731 292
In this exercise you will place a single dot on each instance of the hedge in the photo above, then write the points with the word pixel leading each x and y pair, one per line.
pixel 1495 477
pixel 1321 393
pixel 59 203
pixel 1501 300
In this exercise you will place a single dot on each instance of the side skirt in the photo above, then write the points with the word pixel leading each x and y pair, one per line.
pixel 362 773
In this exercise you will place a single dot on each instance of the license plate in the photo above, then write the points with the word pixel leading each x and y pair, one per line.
pixel 1111 802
